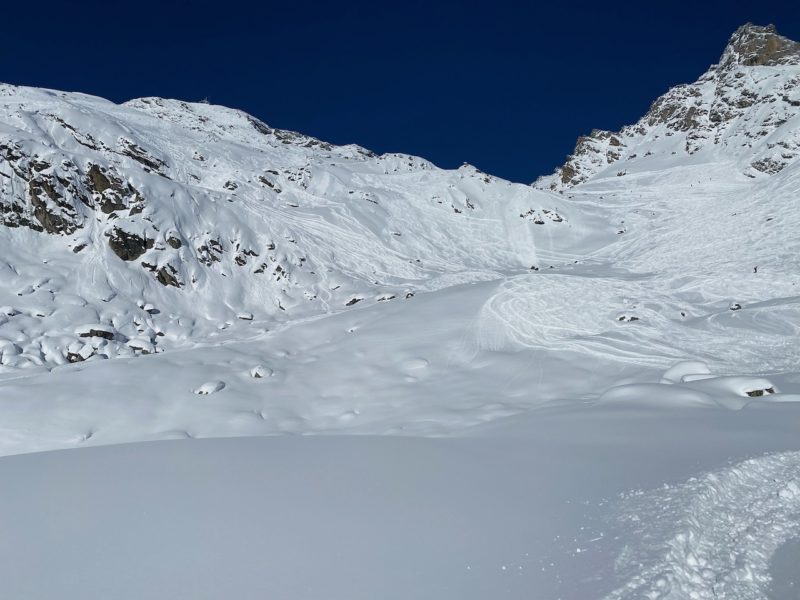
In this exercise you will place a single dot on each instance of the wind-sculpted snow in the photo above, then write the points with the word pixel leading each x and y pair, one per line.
pixel 712 537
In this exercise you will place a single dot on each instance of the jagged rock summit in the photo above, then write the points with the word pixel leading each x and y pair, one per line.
pixel 754 45
pixel 743 110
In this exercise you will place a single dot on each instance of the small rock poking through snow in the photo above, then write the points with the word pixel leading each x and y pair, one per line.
pixel 260 371
pixel 210 387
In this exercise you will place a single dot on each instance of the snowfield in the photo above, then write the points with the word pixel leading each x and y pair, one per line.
pixel 589 503
pixel 421 383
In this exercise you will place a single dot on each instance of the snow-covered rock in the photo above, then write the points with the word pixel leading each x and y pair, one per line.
pixel 210 387
pixel 260 372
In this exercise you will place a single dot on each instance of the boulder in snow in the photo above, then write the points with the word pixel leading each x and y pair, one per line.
pixel 95 330
pixel 260 371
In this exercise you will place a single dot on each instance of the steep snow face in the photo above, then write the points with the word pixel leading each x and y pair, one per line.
pixel 745 110
pixel 157 221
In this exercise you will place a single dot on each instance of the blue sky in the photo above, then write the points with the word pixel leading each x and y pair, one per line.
pixel 506 86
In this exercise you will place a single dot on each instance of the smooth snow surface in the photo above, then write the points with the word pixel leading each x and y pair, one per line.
pixel 536 507
pixel 784 572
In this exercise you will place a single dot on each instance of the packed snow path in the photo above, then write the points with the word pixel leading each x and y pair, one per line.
pixel 713 537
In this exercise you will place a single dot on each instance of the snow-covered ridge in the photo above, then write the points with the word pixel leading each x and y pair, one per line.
pixel 744 110
pixel 166 221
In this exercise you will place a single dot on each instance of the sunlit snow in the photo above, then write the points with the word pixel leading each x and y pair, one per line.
pixel 539 392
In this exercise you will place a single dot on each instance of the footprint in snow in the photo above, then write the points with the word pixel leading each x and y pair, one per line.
pixel 714 536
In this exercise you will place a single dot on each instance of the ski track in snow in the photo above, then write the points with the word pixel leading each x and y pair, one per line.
pixel 711 538
pixel 588 314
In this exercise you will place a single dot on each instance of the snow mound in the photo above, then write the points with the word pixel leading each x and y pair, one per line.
pixel 653 395
pixel 210 387
pixel 735 385
pixel 690 383
pixel 677 372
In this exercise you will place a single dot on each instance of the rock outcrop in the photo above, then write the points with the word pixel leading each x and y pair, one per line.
pixel 741 107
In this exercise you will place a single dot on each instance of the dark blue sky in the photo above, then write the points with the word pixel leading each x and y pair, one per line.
pixel 506 86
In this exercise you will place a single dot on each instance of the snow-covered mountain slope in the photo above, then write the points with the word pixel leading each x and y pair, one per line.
pixel 677 284
pixel 597 353
pixel 162 226
pixel 745 111
pixel 132 228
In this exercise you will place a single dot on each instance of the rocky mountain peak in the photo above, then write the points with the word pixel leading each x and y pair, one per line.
pixel 754 45
pixel 744 110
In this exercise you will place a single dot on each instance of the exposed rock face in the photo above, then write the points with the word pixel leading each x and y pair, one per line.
pixel 752 46
pixel 99 180
pixel 167 276
pixel 738 107
pixel 109 190
pixel 101 333
pixel 128 246
pixel 42 196
pixel 53 212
